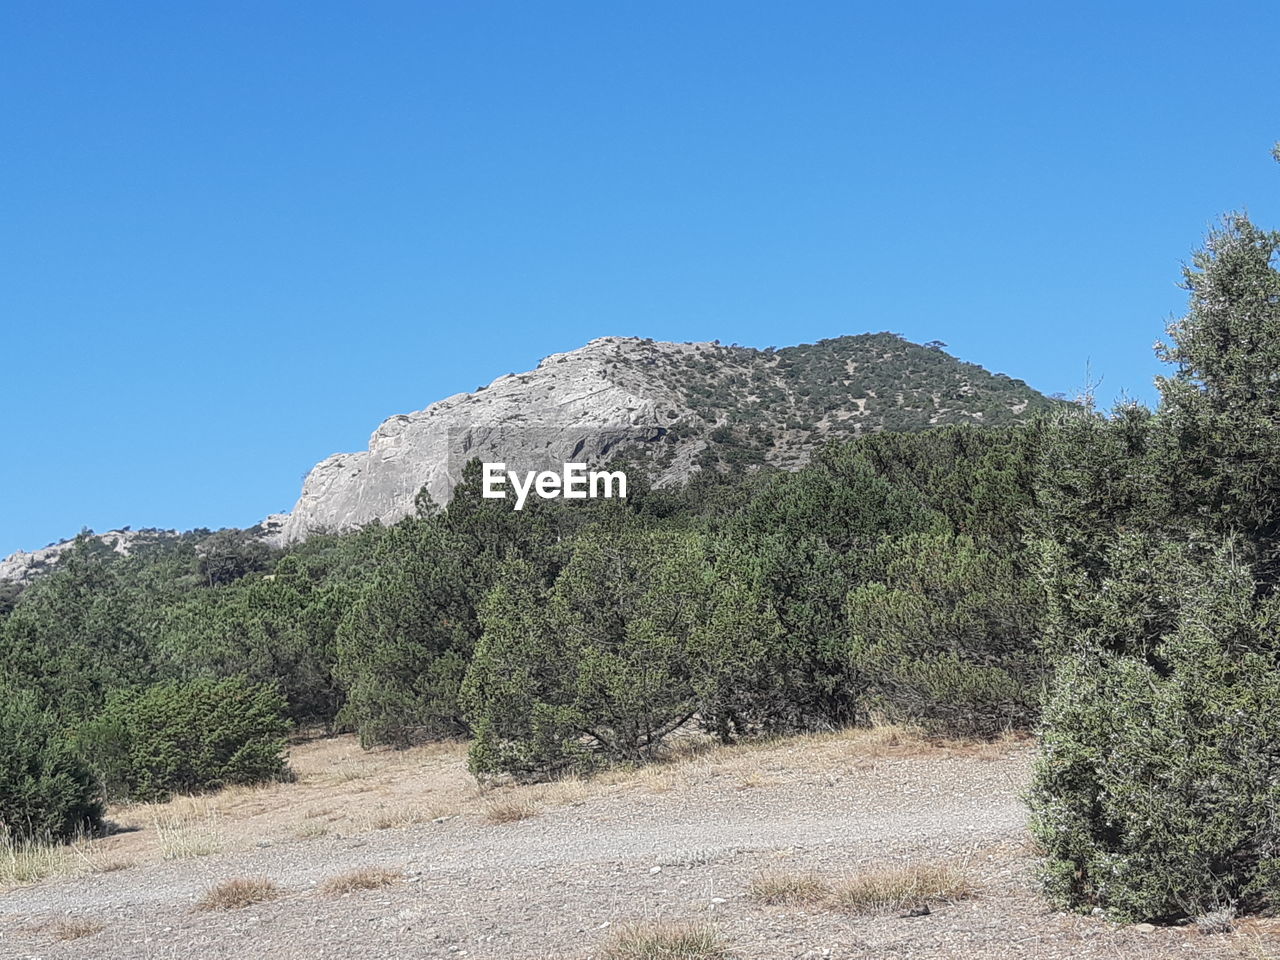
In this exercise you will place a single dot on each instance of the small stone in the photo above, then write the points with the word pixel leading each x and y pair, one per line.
pixel 1145 927
pixel 653 870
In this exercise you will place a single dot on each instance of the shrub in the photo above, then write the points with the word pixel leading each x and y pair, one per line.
pixel 46 791
pixel 600 668
pixel 1153 792
pixel 184 737
pixel 947 636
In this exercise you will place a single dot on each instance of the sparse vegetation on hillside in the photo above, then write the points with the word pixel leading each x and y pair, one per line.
pixel 755 408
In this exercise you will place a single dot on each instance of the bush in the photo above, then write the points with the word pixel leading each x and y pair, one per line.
pixel 46 791
pixel 185 737
pixel 1159 776
pixel 946 637
pixel 600 668
pixel 1153 792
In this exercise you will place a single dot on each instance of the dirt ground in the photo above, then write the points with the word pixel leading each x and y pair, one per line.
pixel 556 871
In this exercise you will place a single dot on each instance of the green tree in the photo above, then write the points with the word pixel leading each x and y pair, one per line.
pixel 1222 403
pixel 46 791
pixel 947 636
pixel 79 633
pixel 601 667
pixel 1153 793
pixel 809 534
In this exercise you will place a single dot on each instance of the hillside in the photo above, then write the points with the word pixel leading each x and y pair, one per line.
pixel 675 407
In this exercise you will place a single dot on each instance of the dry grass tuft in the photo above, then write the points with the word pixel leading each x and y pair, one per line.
pixel 881 890
pixel 74 928
pixel 387 817
pixel 901 888
pixel 364 878
pixel 310 831
pixel 185 833
pixel 239 893
pixel 791 889
pixel 665 940
pixel 26 861
pixel 509 810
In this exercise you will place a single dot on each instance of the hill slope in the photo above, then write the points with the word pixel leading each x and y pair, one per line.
pixel 676 407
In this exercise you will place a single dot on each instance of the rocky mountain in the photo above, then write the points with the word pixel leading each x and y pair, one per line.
pixel 668 408
pixel 673 407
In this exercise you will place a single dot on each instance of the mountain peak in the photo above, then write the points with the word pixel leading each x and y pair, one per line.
pixel 676 407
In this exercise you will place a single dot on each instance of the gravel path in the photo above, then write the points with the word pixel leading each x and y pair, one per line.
pixel 557 884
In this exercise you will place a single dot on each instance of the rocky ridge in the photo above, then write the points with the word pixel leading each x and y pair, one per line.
pixel 671 408
pixel 677 407
pixel 25 565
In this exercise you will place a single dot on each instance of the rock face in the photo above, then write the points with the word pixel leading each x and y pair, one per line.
pixel 578 406
pixel 678 407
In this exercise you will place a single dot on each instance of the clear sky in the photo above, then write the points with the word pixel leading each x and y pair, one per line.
pixel 234 237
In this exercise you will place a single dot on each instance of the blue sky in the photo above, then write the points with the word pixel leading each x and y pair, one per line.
pixel 234 237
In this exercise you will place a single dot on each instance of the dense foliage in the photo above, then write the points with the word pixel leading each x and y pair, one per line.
pixel 175 737
pixel 563 635
pixel 48 791
pixel 1155 793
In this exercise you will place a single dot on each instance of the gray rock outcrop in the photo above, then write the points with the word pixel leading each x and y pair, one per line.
pixel 581 406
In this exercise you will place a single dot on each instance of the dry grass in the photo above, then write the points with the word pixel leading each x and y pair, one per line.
pixel 389 816
pixel 239 893
pixel 509 810
pixel 665 940
pixel 183 834
pixel 29 861
pixel 311 831
pixel 696 758
pixel 901 888
pixel 884 889
pixel 343 790
pixel 791 889
pixel 365 878
pixel 74 928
